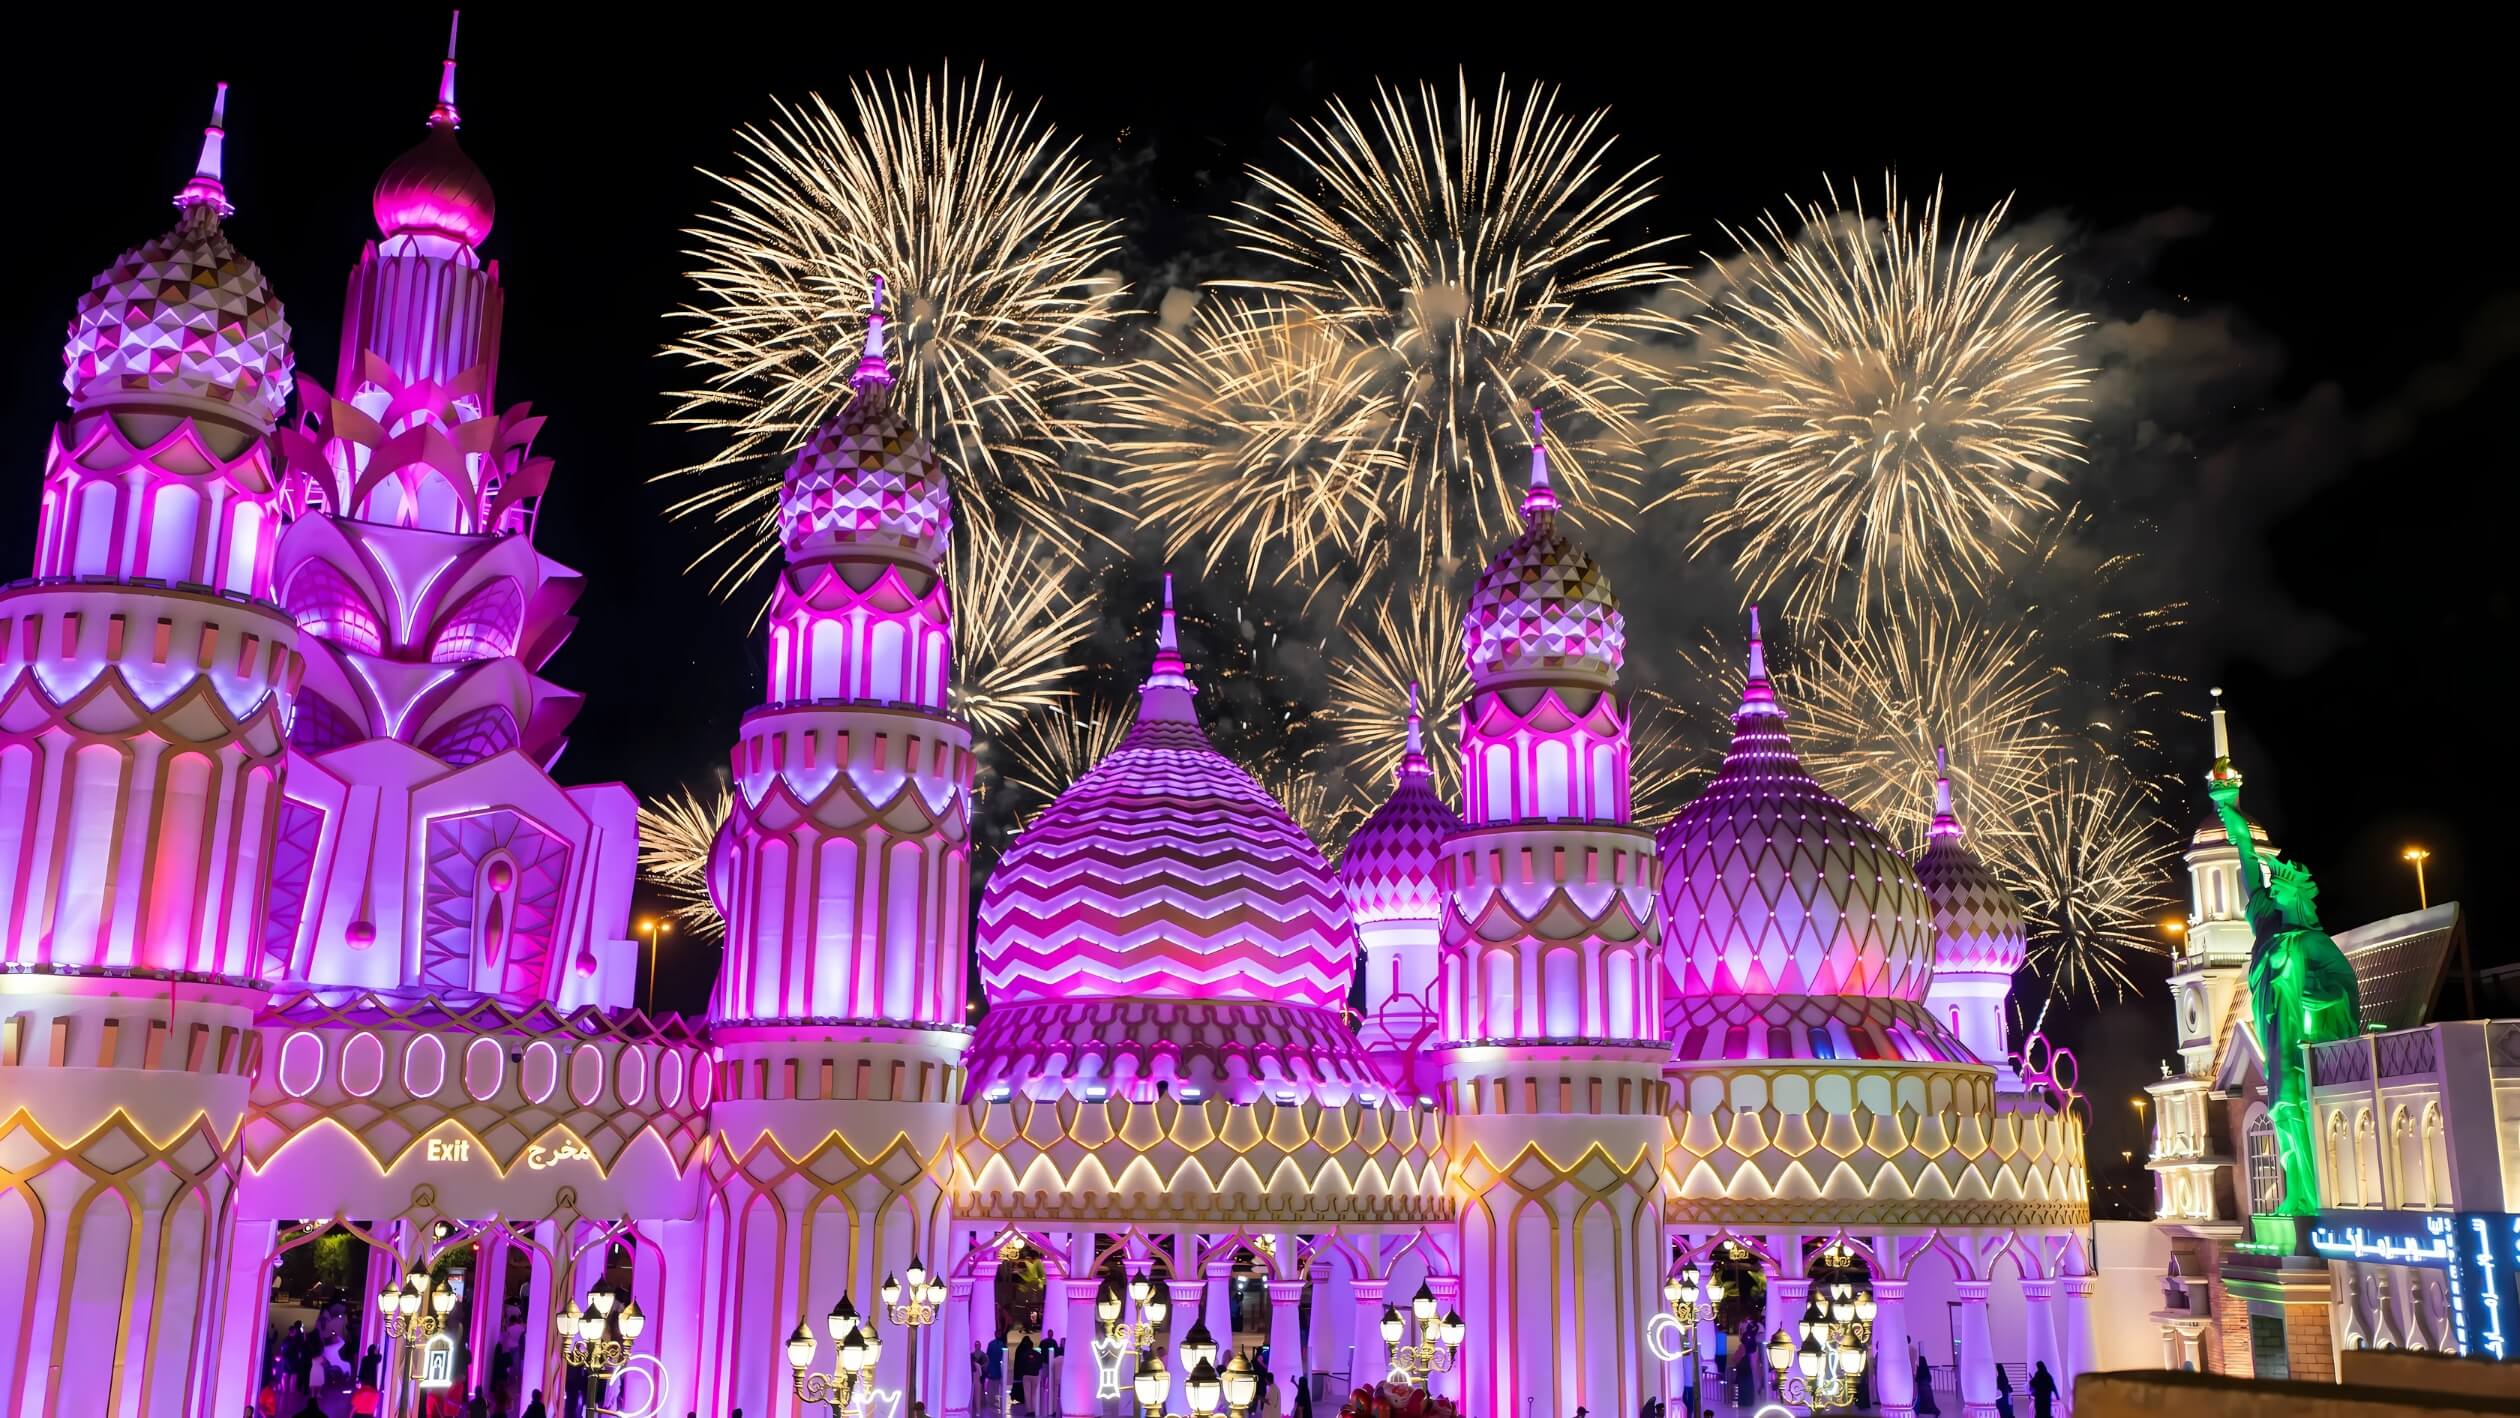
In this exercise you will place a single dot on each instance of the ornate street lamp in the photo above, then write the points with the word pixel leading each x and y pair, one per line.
pixel 1122 1339
pixel 1204 1389
pixel 598 1338
pixel 924 1298
pixel 1436 1343
pixel 1825 1370
pixel 1241 1386
pixel 416 1312
pixel 850 1386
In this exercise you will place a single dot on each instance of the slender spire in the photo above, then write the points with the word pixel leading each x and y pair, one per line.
pixel 1413 758
pixel 1541 497
pixel 872 368
pixel 1168 689
pixel 445 114
pixel 1757 695
pixel 1946 823
pixel 208 187
pixel 2222 771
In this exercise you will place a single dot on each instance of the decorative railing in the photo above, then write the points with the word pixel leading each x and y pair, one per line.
pixel 2340 1062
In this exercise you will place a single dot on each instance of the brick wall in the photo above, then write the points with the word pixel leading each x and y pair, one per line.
pixel 2231 1326
pixel 2307 1343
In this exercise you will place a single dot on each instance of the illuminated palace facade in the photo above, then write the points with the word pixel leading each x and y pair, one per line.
pixel 304 936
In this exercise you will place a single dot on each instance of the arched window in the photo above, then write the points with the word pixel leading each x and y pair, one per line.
pixel 2436 1157
pixel 2366 1159
pixel 2266 1167
pixel 2340 1159
pixel 2414 1189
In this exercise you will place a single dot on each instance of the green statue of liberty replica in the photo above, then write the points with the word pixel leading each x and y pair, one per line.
pixel 2301 988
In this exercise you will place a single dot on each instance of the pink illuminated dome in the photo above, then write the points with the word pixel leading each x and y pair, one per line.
pixel 867 480
pixel 434 189
pixel 1978 926
pixel 185 318
pixel 1389 865
pixel 1165 873
pixel 1770 886
pixel 1543 607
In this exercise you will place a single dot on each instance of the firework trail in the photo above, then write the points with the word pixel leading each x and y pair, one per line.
pixel 1884 404
pixel 2092 867
pixel 676 834
pixel 975 213
pixel 1476 245
pixel 1665 763
pixel 1381 655
pixel 1261 423
pixel 1020 619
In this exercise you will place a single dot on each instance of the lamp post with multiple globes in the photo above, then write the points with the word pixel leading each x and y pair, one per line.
pixel 1437 1340
pixel 598 1336
pixel 1123 1338
pixel 416 1311
pixel 855 1348
pixel 1681 1292
pixel 925 1296
pixel 1825 1370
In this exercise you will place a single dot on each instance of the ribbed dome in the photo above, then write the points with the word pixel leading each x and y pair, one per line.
pixel 1978 927
pixel 187 317
pixel 1165 872
pixel 1543 605
pixel 1772 887
pixel 435 189
pixel 867 480
pixel 1389 865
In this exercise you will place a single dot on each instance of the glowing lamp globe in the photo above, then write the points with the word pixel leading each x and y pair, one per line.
pixel 633 1323
pixel 1198 1346
pixel 800 1347
pixel 1392 1325
pixel 1204 1389
pixel 1152 1383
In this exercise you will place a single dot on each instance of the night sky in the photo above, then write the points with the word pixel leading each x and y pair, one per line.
pixel 2306 329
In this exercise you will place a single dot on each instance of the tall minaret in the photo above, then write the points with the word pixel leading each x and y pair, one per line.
pixel 844 875
pixel 1551 1050
pixel 1980 936
pixel 145 681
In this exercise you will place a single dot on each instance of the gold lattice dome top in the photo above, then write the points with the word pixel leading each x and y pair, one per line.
pixel 867 481
pixel 1543 609
pixel 183 319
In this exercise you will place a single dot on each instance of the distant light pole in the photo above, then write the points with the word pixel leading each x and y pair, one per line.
pixel 2419 856
pixel 652 927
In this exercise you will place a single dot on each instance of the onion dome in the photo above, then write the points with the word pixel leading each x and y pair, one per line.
pixel 1770 886
pixel 1543 607
pixel 1978 927
pixel 434 189
pixel 185 318
pixel 867 480
pixel 1389 866
pixel 1165 872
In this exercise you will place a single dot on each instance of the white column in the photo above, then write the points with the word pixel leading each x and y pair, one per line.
pixel 1077 1375
pixel 1286 1338
pixel 1788 1296
pixel 1893 1372
pixel 1186 1295
pixel 1977 1352
pixel 2073 1334
pixel 2038 1318
pixel 1368 1361
pixel 955 1347
pixel 1220 1306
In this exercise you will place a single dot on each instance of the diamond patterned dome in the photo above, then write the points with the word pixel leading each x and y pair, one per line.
pixel 867 480
pixel 186 317
pixel 1770 886
pixel 1389 865
pixel 1978 926
pixel 1543 605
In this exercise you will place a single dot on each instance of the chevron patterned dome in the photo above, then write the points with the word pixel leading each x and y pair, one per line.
pixel 1165 872
pixel 1978 926
pixel 1770 886
pixel 1389 865
pixel 186 317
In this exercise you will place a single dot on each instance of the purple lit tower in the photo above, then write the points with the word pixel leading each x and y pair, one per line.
pixel 844 876
pixel 1979 935
pixel 1389 870
pixel 425 847
pixel 1551 1049
pixel 144 688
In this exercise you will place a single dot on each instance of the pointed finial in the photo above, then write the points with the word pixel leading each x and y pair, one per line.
pixel 1168 672
pixel 1541 497
pixel 872 368
pixel 445 115
pixel 208 187
pixel 1757 695
pixel 2223 771
pixel 1946 823
pixel 1413 756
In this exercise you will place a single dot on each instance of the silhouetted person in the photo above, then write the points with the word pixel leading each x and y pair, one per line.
pixel 1925 1405
pixel 2042 1392
pixel 2003 1393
